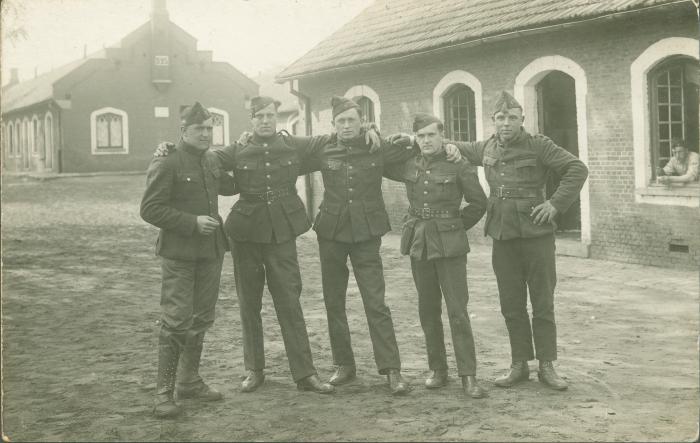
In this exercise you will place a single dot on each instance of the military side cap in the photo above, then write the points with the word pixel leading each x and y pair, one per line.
pixel 262 102
pixel 505 101
pixel 342 104
pixel 422 120
pixel 194 115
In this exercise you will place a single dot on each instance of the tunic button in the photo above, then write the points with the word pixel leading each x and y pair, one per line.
pixel 425 192
pixel 350 190
pixel 269 187
pixel 425 182
pixel 350 167
pixel 427 172
pixel 502 173
pixel 189 179
pixel 289 163
pixel 267 152
pixel 373 164
pixel 245 167
pixel 267 164
pixel 269 203
pixel 268 176
pixel 425 204
pixel 349 201
pixel 264 145
pixel 503 163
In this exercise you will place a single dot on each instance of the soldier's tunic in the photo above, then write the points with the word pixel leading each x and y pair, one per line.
pixel 523 252
pixel 350 223
pixel 434 236
pixel 180 187
pixel 263 225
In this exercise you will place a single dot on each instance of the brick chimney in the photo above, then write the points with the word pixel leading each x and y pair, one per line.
pixel 160 45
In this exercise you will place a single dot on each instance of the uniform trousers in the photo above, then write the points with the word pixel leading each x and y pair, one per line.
pixel 369 274
pixel 188 297
pixel 523 264
pixel 253 263
pixel 434 279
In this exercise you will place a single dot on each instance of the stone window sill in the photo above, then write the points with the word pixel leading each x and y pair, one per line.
pixel 673 194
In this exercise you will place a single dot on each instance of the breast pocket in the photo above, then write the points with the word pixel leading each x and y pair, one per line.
pixel 188 186
pixel 526 168
pixel 244 172
pixel 447 186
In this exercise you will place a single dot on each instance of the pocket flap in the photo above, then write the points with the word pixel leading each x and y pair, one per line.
pixel 243 207
pixel 489 161
pixel 247 164
pixel 524 205
pixel 448 224
pixel 525 162
pixel 445 178
pixel 373 206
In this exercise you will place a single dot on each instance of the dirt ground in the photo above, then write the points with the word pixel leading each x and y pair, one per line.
pixel 80 293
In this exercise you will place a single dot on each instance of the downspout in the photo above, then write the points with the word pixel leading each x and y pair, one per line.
pixel 308 130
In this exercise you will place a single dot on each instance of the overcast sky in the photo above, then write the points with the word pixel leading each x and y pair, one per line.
pixel 253 35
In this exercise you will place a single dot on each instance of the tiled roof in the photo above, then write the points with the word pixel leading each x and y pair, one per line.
pixel 38 89
pixel 394 28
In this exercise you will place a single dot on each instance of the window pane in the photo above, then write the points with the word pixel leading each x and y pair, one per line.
pixel 663 95
pixel 676 95
pixel 676 130
pixel 662 79
pixel 664 149
pixel 102 132
pixel 664 132
pixel 115 131
pixel 663 113
pixel 676 114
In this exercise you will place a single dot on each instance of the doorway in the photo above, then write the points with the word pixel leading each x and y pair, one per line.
pixel 556 109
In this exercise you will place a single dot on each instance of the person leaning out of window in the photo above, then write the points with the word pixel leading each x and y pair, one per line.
pixel 682 167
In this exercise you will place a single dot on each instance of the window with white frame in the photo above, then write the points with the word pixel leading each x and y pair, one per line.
pixel 673 100
pixel 218 136
pixel 460 114
pixel 36 135
pixel 48 133
pixel 109 128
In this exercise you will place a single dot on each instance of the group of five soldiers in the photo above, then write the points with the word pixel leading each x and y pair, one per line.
pixel 183 182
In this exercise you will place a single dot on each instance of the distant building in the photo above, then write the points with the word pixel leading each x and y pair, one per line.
pixel 610 81
pixel 107 111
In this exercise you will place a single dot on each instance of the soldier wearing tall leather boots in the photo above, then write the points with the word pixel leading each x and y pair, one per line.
pixel 434 236
pixel 522 224
pixel 181 200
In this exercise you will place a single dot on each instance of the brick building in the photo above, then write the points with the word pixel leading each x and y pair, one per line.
pixel 107 111
pixel 609 81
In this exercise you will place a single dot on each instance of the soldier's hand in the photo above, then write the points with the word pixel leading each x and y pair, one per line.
pixel 543 213
pixel 452 152
pixel 372 139
pixel 400 139
pixel 163 149
pixel 244 138
pixel 664 179
pixel 206 225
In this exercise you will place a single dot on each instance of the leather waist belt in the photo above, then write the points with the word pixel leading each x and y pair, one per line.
pixel 512 192
pixel 433 213
pixel 269 196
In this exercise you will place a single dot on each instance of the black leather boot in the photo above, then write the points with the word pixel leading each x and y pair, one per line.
pixel 253 381
pixel 437 379
pixel 519 371
pixel 549 377
pixel 189 383
pixel 471 387
pixel 164 405
pixel 397 385
pixel 313 383
pixel 343 374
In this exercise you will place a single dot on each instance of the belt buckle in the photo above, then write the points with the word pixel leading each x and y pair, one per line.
pixel 425 212
pixel 499 191
pixel 269 195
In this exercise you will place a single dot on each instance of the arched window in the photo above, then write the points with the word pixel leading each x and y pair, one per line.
pixel 673 98
pixel 366 107
pixel 220 127
pixel 109 129
pixel 460 114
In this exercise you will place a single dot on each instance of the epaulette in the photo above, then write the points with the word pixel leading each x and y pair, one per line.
pixel 169 148
pixel 542 136
pixel 284 133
